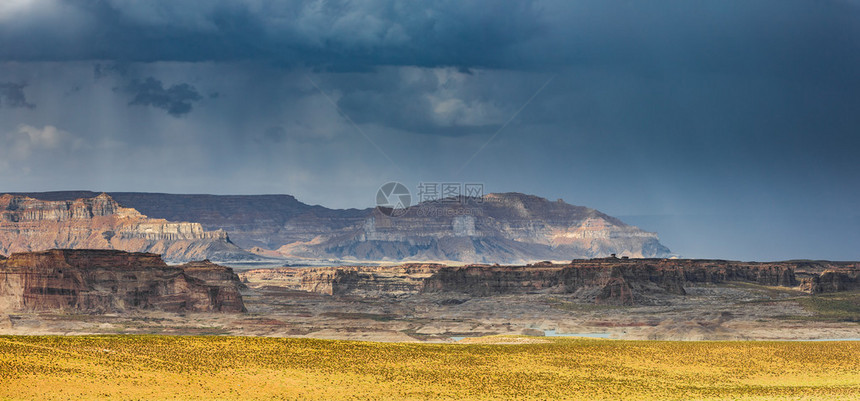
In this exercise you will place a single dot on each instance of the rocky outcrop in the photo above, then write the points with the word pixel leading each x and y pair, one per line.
pixel 98 281
pixel 266 221
pixel 832 281
pixel 594 281
pixel 366 281
pixel 601 283
pixel 28 224
pixel 602 280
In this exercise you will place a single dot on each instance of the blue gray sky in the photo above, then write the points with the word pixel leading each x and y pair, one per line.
pixel 729 127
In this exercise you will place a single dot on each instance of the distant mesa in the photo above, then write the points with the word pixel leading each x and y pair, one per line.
pixel 499 228
pixel 99 222
pixel 502 228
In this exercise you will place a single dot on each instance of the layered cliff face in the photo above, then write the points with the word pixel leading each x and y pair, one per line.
pixel 603 280
pixel 612 284
pixel 367 281
pixel 98 281
pixel 594 282
pixel 28 224
pixel 832 281
pixel 498 228
pixel 266 221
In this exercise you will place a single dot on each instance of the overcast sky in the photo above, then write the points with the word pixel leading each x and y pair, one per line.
pixel 732 128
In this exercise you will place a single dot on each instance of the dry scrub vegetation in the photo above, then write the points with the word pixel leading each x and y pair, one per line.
pixel 211 368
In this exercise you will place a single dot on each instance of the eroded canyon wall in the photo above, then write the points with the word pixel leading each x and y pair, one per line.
pixel 602 280
pixel 99 281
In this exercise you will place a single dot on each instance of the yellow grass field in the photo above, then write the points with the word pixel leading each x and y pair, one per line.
pixel 212 368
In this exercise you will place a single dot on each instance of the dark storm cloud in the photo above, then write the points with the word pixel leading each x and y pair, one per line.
pixel 12 96
pixel 775 36
pixel 177 100
pixel 332 34
pixel 438 101
pixel 787 43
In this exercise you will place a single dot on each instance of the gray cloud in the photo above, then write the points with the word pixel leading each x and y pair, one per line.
pixel 436 101
pixel 335 35
pixel 177 100
pixel 342 35
pixel 12 96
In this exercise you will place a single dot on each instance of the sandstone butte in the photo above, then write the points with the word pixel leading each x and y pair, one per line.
pixel 28 224
pixel 602 280
pixel 103 281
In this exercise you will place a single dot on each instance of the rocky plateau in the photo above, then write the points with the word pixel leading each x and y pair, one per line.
pixel 620 281
pixel 47 292
pixel 107 281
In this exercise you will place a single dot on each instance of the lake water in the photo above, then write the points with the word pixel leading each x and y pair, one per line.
pixel 553 333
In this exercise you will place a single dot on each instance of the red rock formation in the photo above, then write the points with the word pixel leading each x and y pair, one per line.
pixel 600 282
pixel 832 281
pixel 27 224
pixel 605 280
pixel 604 284
pixel 93 281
